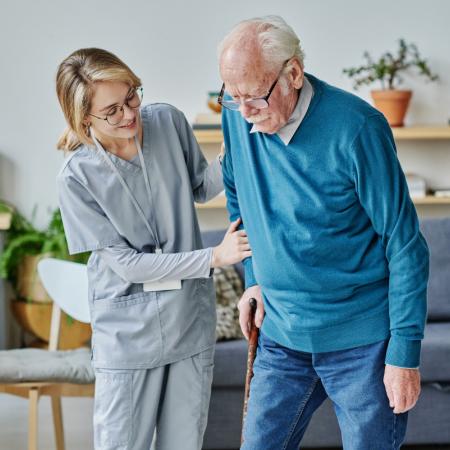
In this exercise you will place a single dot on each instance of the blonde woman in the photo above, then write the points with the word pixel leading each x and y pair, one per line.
pixel 126 191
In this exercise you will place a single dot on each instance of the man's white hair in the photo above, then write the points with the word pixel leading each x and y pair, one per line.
pixel 276 39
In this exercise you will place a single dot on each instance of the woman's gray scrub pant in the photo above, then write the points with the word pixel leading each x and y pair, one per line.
pixel 167 404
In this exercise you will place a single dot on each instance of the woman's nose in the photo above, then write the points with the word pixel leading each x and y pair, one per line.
pixel 128 113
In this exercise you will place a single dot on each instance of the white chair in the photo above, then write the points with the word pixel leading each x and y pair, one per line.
pixel 32 373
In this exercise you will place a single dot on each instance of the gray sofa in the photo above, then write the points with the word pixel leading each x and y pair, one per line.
pixel 429 421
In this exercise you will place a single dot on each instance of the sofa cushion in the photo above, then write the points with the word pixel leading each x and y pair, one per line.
pixel 32 364
pixel 212 238
pixel 231 358
pixel 435 355
pixel 230 363
pixel 437 235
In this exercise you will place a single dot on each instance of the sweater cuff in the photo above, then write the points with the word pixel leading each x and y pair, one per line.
pixel 249 276
pixel 403 352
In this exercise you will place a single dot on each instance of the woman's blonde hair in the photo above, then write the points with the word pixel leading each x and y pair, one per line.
pixel 75 79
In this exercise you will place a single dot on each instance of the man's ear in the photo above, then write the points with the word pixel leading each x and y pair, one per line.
pixel 296 74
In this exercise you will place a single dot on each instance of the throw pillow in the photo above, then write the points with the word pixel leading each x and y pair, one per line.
pixel 228 292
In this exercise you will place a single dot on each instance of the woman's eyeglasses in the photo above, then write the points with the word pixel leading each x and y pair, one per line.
pixel 115 115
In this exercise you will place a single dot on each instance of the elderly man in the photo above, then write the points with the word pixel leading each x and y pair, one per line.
pixel 339 267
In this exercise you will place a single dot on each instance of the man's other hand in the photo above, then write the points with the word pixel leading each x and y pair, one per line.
pixel 244 309
pixel 402 387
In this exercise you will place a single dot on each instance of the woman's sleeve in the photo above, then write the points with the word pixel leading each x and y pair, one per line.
pixel 136 267
pixel 206 179
pixel 85 224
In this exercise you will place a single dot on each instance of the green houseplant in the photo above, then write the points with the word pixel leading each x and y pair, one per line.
pixel 24 240
pixel 24 247
pixel 387 70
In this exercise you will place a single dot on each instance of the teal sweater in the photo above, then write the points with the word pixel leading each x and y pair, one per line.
pixel 336 244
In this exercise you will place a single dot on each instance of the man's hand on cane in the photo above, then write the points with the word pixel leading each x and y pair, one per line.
pixel 244 309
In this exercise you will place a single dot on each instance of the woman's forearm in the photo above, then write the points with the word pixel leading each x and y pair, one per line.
pixel 136 267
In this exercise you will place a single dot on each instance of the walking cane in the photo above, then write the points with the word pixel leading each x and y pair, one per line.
pixel 252 345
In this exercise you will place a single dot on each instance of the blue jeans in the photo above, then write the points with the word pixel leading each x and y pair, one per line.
pixel 288 386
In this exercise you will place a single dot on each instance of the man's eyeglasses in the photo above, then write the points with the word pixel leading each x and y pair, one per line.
pixel 115 115
pixel 257 103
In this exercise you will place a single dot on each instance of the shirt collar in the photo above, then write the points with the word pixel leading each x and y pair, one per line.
pixel 304 99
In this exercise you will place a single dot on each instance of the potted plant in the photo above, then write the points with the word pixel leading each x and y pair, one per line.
pixel 390 100
pixel 5 217
pixel 24 247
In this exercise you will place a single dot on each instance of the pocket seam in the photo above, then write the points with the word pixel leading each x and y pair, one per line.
pixel 206 398
pixel 124 301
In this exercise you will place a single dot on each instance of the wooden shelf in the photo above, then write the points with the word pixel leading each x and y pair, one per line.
pixel 430 132
pixel 425 132
pixel 216 203
pixel 208 136
pixel 220 202
pixel 422 132
pixel 432 200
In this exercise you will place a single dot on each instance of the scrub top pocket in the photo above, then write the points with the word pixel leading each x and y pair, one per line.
pixel 127 332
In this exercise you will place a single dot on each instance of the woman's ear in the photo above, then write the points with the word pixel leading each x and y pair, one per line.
pixel 86 126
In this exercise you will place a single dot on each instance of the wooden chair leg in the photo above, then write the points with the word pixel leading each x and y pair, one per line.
pixel 58 422
pixel 33 396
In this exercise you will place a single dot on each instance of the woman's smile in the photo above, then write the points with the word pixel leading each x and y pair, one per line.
pixel 130 125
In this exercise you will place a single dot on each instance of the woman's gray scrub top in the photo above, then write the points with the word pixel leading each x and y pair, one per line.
pixel 133 328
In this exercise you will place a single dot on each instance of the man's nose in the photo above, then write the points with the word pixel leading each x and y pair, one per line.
pixel 247 111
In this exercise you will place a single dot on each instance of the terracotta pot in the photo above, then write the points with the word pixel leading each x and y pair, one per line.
pixel 29 284
pixel 36 317
pixel 393 104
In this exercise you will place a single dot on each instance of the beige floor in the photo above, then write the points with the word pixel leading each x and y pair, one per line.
pixel 77 413
pixel 77 419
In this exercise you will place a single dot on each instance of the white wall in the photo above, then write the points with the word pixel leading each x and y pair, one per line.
pixel 171 44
